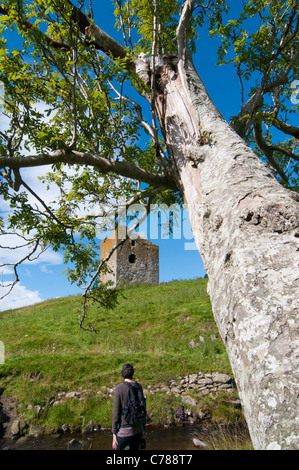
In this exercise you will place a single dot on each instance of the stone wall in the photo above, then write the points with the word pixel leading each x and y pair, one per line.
pixel 137 260
pixel 181 386
pixel 204 384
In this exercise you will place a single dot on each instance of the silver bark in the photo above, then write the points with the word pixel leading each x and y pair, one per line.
pixel 246 226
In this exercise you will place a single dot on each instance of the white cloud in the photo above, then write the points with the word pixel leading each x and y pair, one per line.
pixel 19 297
pixel 44 269
pixel 6 271
pixel 11 256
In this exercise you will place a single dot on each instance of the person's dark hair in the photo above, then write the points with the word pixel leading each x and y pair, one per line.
pixel 127 371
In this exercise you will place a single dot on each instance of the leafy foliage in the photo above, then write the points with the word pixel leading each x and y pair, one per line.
pixel 63 96
pixel 267 59
pixel 136 18
pixel 73 89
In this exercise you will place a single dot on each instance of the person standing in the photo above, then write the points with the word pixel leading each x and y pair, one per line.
pixel 125 436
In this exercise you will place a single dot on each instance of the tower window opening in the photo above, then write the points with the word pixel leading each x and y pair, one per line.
pixel 132 259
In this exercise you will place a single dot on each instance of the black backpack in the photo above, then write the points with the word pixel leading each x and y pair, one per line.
pixel 134 410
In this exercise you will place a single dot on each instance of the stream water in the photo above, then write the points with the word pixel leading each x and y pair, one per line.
pixel 179 438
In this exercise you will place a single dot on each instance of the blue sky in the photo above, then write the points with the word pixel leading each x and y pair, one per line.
pixel 43 279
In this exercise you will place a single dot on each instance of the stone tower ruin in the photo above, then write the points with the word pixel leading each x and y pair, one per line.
pixel 136 260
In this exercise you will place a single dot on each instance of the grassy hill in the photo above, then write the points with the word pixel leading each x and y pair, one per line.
pixel 165 331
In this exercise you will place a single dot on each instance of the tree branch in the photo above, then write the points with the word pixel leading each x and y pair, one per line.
pixel 11 285
pixel 268 150
pixel 255 102
pixel 47 209
pixel 182 29
pixel 96 36
pixel 286 128
pixel 282 79
pixel 73 157
pixel 28 25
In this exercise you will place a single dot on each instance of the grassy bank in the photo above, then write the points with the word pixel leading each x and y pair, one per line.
pixel 165 331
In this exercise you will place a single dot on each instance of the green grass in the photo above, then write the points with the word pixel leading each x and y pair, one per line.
pixel 46 352
pixel 218 436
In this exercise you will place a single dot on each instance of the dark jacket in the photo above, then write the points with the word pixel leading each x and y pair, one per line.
pixel 119 425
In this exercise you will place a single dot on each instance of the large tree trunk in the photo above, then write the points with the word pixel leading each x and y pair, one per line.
pixel 246 226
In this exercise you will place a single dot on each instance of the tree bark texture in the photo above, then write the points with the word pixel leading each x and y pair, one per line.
pixel 246 226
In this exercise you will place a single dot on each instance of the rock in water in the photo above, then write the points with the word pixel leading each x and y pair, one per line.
pixel 199 443
pixel 74 445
